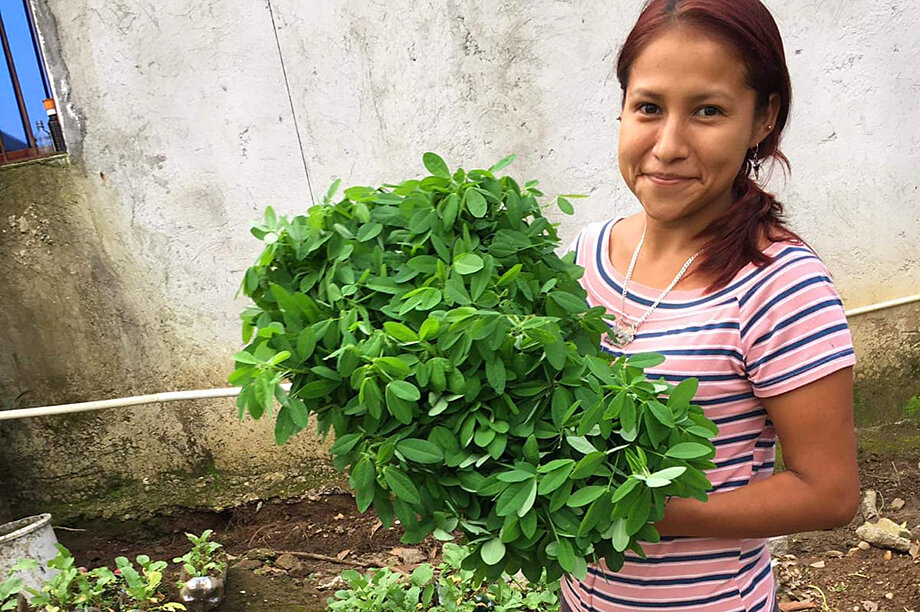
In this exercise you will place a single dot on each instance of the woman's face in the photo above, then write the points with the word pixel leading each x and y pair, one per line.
pixel 688 120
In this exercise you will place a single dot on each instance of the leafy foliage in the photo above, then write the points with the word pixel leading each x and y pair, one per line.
pixel 447 588
pixel 202 559
pixel 432 327
pixel 75 588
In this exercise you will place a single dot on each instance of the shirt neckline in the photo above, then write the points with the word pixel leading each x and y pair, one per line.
pixel 652 292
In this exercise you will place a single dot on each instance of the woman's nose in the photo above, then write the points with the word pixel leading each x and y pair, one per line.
pixel 671 142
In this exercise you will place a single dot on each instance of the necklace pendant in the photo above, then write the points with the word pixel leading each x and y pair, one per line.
pixel 621 335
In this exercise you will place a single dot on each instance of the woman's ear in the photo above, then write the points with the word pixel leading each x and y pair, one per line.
pixel 768 121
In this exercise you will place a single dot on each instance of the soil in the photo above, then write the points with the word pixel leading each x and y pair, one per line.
pixel 818 567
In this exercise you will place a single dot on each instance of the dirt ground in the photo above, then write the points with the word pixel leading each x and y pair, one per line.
pixel 817 567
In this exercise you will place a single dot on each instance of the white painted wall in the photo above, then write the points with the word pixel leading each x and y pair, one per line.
pixel 178 115
pixel 184 108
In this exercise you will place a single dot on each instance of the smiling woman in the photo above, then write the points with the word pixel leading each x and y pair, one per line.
pixel 718 284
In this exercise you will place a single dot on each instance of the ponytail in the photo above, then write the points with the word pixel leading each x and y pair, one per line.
pixel 734 238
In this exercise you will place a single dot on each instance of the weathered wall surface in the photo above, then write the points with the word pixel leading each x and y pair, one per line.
pixel 180 116
pixel 82 319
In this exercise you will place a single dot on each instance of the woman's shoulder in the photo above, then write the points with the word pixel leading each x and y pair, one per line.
pixel 588 240
pixel 791 263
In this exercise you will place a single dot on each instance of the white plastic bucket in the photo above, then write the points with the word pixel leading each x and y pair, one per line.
pixel 28 538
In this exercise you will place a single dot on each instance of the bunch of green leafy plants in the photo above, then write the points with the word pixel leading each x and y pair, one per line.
pixel 445 588
pixel 13 585
pixel 432 327
pixel 143 589
pixel 73 588
pixel 202 559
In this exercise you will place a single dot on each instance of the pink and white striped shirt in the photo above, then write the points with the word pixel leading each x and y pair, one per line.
pixel 770 330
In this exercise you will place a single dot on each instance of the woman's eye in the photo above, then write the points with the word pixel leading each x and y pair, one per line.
pixel 647 108
pixel 710 111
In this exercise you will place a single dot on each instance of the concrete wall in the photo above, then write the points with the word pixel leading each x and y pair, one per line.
pixel 180 117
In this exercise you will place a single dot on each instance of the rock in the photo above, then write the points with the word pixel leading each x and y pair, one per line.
pixel 889 595
pixel 868 507
pixel 870 606
pixel 834 554
pixel 408 556
pixel 863 545
pixel 855 550
pixel 880 535
pixel 247 564
pixel 888 555
pixel 334 583
pixel 269 571
pixel 817 565
pixel 287 562
pixel 897 503
pixel 893 528
pixel 260 554
pixel 779 546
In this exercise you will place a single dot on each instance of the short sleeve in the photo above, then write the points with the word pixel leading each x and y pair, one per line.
pixel 793 327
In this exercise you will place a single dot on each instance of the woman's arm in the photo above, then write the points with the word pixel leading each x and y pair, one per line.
pixel 818 490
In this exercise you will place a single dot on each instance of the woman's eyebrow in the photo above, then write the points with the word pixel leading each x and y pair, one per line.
pixel 706 95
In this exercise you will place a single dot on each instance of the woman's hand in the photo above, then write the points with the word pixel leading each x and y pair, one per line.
pixel 818 490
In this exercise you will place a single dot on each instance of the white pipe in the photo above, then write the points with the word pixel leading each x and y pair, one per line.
pixel 137 400
pixel 174 396
pixel 882 305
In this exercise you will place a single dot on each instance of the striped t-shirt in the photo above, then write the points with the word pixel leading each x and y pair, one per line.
pixel 770 330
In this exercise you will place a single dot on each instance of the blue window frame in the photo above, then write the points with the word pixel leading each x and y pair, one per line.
pixel 29 126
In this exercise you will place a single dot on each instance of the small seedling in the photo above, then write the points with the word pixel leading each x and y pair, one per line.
pixel 201 560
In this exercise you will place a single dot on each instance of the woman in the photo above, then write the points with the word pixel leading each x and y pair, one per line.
pixel 745 306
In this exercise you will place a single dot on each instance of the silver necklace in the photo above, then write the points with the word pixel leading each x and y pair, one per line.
pixel 621 332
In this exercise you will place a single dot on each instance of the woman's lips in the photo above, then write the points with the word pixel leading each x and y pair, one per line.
pixel 662 180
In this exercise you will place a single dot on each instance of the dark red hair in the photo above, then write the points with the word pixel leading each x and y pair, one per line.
pixel 748 27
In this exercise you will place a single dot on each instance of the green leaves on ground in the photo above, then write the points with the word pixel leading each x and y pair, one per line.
pixel 431 327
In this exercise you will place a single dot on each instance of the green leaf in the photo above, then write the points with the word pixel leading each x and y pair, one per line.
pixel 555 353
pixel 620 535
pixel 565 554
pixel 344 444
pixel 661 413
pixel 514 497
pixel 401 485
pixel 492 551
pixel 400 331
pixel 403 389
pixel 364 481
pixel 244 357
pixel 555 478
pixel 581 444
pixel 429 328
pixel 588 465
pixel 565 206
pixel 568 302
pixel 645 360
pixel 688 450
pixel 669 473
pixel 401 409
pixel 436 165
pixel 682 394
pixel 624 489
pixel 505 161
pixel 585 495
pixel 420 451
pixel 475 203
pixel 468 263
pixel 496 375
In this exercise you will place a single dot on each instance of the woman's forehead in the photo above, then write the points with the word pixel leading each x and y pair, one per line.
pixel 688 62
